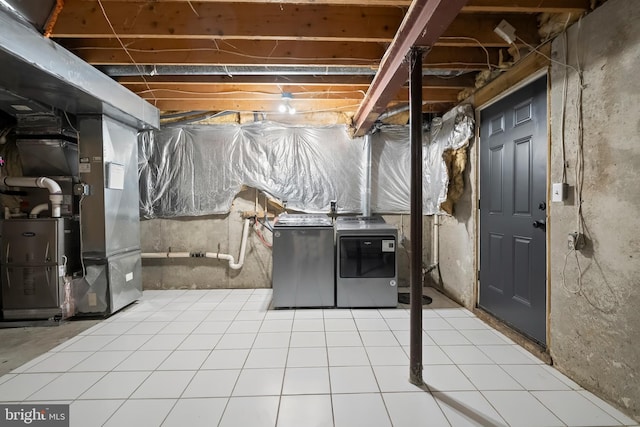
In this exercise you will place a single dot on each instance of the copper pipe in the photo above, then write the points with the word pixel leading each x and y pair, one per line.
pixel 53 18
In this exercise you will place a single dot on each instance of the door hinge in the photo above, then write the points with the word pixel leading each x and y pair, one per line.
pixel 478 203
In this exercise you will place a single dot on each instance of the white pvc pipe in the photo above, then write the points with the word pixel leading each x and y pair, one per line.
pixel 55 192
pixel 166 254
pixel 38 209
pixel 243 246
pixel 436 239
pixel 226 257
pixel 37 182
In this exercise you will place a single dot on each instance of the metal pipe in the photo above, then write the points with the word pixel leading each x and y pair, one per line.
pixel 253 70
pixel 55 192
pixel 415 135
pixel 366 188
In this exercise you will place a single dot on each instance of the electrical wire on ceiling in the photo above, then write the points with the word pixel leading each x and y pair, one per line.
pixel 230 52
pixel 104 13
pixel 486 51
pixel 248 92
pixel 193 9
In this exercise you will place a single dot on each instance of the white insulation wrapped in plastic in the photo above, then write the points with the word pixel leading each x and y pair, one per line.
pixel 198 170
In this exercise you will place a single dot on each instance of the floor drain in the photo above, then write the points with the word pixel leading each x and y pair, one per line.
pixel 405 297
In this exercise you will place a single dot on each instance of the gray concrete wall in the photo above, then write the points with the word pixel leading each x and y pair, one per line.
pixel 595 326
pixel 204 234
pixel 455 275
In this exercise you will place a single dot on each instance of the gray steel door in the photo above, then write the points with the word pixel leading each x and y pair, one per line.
pixel 513 196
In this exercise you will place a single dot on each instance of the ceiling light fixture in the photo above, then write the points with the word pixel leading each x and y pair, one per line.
pixel 285 106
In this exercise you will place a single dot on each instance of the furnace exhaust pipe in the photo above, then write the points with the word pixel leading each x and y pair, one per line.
pixel 55 192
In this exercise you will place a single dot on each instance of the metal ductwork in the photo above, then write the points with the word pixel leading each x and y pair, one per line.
pixel 253 70
pixel 109 216
pixel 37 69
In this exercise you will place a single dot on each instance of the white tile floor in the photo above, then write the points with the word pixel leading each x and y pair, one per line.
pixel 222 358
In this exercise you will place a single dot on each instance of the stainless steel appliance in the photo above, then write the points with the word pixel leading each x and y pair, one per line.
pixel 303 262
pixel 366 264
pixel 36 255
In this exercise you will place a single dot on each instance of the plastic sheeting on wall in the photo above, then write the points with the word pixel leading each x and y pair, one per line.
pixel 198 170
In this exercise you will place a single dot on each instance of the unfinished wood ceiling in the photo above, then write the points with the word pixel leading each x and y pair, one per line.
pixel 244 55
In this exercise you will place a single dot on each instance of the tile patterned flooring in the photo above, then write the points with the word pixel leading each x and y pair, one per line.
pixel 223 358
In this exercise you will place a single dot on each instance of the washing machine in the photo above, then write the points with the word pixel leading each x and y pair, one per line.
pixel 366 262
pixel 303 261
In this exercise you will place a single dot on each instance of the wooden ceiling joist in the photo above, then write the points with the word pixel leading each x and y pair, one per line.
pixel 81 18
pixel 271 106
pixel 356 48
pixel 298 92
pixel 483 6
pixel 264 27
pixel 177 52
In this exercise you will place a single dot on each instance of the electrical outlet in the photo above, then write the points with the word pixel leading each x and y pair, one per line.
pixel 559 191
pixel 575 241
pixel 81 189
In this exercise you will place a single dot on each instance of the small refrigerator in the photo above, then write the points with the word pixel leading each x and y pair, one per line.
pixel 303 261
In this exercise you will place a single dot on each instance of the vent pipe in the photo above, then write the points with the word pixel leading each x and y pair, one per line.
pixel 55 192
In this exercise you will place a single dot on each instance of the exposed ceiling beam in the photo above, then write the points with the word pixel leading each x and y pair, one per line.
pixel 197 51
pixel 527 6
pixel 297 92
pixel 271 106
pixel 194 52
pixel 264 21
pixel 426 20
pixel 484 6
pixel 264 31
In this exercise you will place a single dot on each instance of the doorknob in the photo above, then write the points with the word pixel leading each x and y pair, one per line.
pixel 540 224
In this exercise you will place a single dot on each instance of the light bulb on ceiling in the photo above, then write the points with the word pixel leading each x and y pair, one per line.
pixel 285 106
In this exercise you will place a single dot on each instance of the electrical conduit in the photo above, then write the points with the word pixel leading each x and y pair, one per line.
pixel 55 192
pixel 232 264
